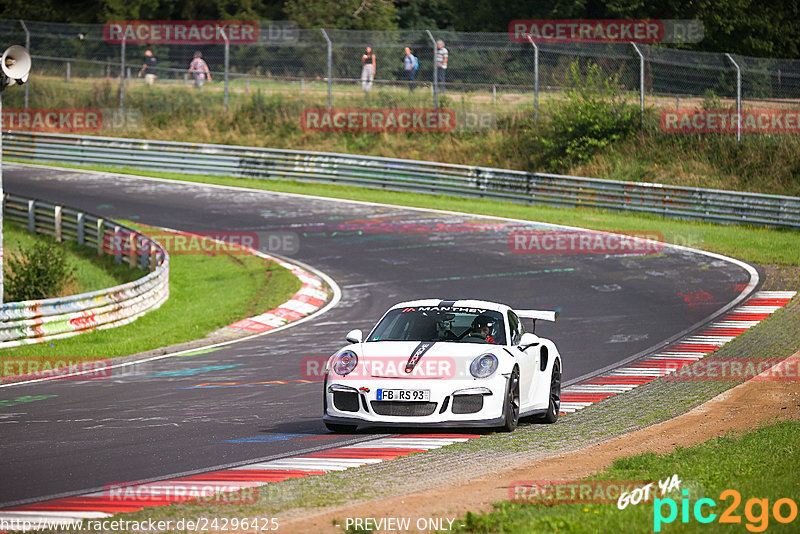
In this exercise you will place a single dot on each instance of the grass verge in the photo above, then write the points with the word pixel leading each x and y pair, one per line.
pixel 207 292
pixel 706 470
pixel 758 245
pixel 91 272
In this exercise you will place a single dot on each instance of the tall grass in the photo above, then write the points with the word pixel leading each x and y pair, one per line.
pixel 269 116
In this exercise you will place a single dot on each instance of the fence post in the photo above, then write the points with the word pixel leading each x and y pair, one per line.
pixel 227 63
pixel 122 76
pixel 330 65
pixel 435 78
pixel 535 79
pixel 28 48
pixel 738 98
pixel 641 79
pixel 69 65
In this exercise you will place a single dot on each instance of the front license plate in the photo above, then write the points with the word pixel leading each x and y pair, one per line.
pixel 404 395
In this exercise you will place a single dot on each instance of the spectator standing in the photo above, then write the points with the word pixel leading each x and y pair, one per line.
pixel 441 64
pixel 199 69
pixel 148 68
pixel 411 65
pixel 368 67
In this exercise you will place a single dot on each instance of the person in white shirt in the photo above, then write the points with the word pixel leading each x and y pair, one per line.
pixel 441 64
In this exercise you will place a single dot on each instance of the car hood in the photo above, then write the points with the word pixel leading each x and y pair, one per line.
pixel 394 359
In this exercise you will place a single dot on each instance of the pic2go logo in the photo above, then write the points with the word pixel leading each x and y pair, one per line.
pixel 756 511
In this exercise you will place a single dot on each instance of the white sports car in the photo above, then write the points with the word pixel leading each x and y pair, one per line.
pixel 462 363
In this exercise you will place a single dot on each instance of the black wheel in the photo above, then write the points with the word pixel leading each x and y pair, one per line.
pixel 340 429
pixel 511 406
pixel 555 397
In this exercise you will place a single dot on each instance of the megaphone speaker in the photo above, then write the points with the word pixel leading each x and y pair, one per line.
pixel 16 63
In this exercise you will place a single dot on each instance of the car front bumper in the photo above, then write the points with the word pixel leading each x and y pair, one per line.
pixel 452 403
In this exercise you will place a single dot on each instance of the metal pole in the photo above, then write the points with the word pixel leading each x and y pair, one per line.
pixel 28 48
pixel 330 66
pixel 641 79
pixel 122 76
pixel 535 79
pixel 68 72
pixel 435 77
pixel 738 99
pixel 227 59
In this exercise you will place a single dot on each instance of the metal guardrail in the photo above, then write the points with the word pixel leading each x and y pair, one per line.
pixel 34 321
pixel 409 175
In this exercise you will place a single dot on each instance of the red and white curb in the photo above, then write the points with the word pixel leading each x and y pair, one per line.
pixel 692 348
pixel 310 298
pixel 134 497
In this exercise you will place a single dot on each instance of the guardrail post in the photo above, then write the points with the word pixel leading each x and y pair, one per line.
pixel 117 245
pixel 153 257
pixel 100 237
pixel 57 222
pixel 641 79
pixel 738 99
pixel 535 79
pixel 132 246
pixel 435 77
pixel 32 216
pixel 28 48
pixel 330 66
pixel 81 231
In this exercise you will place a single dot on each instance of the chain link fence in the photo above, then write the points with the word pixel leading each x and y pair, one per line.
pixel 486 70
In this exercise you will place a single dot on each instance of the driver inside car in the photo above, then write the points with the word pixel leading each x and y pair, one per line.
pixel 481 327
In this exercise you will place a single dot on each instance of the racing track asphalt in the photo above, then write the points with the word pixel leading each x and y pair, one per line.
pixel 150 420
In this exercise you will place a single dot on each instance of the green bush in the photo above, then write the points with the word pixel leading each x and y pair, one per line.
pixel 591 117
pixel 39 271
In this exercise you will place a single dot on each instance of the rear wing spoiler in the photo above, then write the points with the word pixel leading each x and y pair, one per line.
pixel 545 315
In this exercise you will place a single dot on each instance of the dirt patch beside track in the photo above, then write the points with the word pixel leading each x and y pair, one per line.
pixel 740 409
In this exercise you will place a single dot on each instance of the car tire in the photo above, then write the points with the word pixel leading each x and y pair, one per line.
pixel 554 397
pixel 339 428
pixel 511 404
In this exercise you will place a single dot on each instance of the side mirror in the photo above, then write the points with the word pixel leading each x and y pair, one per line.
pixel 528 340
pixel 355 336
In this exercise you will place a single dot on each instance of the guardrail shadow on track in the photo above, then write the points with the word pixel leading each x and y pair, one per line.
pixel 710 205
pixel 34 321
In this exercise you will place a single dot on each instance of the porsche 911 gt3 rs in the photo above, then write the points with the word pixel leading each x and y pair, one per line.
pixel 462 363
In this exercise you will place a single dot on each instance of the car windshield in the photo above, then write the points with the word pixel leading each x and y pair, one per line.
pixel 441 323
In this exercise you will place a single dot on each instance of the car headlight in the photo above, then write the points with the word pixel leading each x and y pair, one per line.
pixel 483 366
pixel 345 362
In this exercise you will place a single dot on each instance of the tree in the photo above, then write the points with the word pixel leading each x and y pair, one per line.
pixel 343 14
